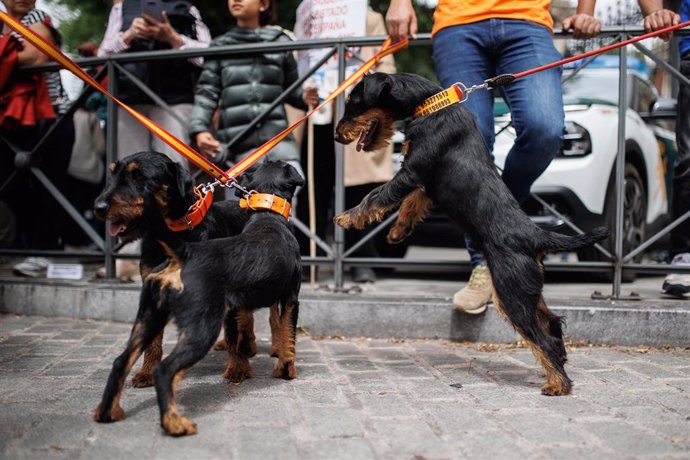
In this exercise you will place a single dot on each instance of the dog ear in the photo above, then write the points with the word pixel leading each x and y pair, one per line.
pixel 182 177
pixel 375 86
pixel 293 178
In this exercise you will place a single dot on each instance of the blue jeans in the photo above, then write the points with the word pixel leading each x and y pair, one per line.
pixel 471 53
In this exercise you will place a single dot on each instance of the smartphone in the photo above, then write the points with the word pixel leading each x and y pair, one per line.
pixel 153 8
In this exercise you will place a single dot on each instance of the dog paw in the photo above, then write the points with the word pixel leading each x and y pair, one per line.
pixel 142 380
pixel 343 220
pixel 220 345
pixel 236 375
pixel 116 414
pixel 553 389
pixel 396 235
pixel 286 371
pixel 177 425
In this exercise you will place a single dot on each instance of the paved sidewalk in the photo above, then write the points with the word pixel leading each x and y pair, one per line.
pixel 354 399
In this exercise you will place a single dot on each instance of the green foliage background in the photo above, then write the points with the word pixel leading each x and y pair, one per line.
pixel 91 16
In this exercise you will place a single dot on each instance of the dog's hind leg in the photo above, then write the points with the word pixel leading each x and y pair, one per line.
pixel 238 368
pixel 194 341
pixel 413 210
pixel 274 321
pixel 152 356
pixel 288 336
pixel 145 329
pixel 518 282
pixel 379 201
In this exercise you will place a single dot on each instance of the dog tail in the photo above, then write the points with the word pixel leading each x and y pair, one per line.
pixel 558 242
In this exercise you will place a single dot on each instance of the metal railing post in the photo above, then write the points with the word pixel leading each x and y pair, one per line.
pixel 620 170
pixel 110 156
pixel 339 237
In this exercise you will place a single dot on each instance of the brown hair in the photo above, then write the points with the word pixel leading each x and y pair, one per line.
pixel 269 14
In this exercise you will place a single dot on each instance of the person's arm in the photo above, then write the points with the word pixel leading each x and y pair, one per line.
pixel 583 23
pixel 657 17
pixel 206 99
pixel 401 19
pixel 30 55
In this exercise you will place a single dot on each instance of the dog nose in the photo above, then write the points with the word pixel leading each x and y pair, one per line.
pixel 100 208
pixel 336 137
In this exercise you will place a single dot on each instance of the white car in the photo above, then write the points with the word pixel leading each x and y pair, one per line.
pixel 579 182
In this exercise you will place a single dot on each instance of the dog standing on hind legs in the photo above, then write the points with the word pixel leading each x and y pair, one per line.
pixel 446 165
pixel 200 281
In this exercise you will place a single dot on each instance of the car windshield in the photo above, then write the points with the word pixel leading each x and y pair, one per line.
pixel 591 86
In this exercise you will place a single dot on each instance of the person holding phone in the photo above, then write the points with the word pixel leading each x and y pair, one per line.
pixel 146 25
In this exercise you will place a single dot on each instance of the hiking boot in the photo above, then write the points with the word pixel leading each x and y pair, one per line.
pixel 475 297
pixel 678 284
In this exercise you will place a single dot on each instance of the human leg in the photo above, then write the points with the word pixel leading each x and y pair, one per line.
pixel 678 284
pixel 535 102
pixel 471 66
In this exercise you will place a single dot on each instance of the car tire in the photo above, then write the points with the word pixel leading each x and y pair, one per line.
pixel 634 223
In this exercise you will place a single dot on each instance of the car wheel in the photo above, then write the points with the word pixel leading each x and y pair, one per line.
pixel 634 222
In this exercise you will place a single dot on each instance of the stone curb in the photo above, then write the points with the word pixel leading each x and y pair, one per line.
pixel 378 316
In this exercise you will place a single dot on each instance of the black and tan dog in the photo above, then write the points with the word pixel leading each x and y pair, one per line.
pixel 447 165
pixel 259 268
pixel 152 174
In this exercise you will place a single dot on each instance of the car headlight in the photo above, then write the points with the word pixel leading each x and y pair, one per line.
pixel 576 141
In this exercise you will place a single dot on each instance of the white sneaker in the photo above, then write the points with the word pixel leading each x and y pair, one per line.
pixel 31 266
pixel 475 297
pixel 678 284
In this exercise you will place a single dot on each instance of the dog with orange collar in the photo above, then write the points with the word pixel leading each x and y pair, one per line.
pixel 200 281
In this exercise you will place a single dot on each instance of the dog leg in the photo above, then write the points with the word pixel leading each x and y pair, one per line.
pixel 152 356
pixel 143 332
pixel 378 202
pixel 238 368
pixel 247 341
pixel 274 321
pixel 518 282
pixel 413 210
pixel 192 345
pixel 288 334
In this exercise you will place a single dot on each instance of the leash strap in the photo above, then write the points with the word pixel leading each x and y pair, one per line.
pixel 388 47
pixel 54 53
pixel 264 201
pixel 195 214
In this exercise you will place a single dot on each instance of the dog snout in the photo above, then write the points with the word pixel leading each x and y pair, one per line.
pixel 100 208
pixel 337 137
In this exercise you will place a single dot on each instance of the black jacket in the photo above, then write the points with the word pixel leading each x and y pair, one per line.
pixel 243 86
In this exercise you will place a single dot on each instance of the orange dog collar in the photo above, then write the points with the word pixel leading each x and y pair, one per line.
pixel 264 201
pixel 440 101
pixel 195 214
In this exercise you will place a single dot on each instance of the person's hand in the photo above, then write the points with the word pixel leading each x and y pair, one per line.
pixel 659 19
pixel 207 144
pixel 163 31
pixel 583 25
pixel 311 96
pixel 138 29
pixel 401 20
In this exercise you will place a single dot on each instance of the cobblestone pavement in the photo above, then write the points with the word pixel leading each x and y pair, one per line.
pixel 354 399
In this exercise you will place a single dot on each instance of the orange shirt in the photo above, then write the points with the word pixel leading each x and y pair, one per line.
pixel 454 12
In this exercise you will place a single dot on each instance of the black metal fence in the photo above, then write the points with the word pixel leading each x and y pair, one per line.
pixel 336 255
